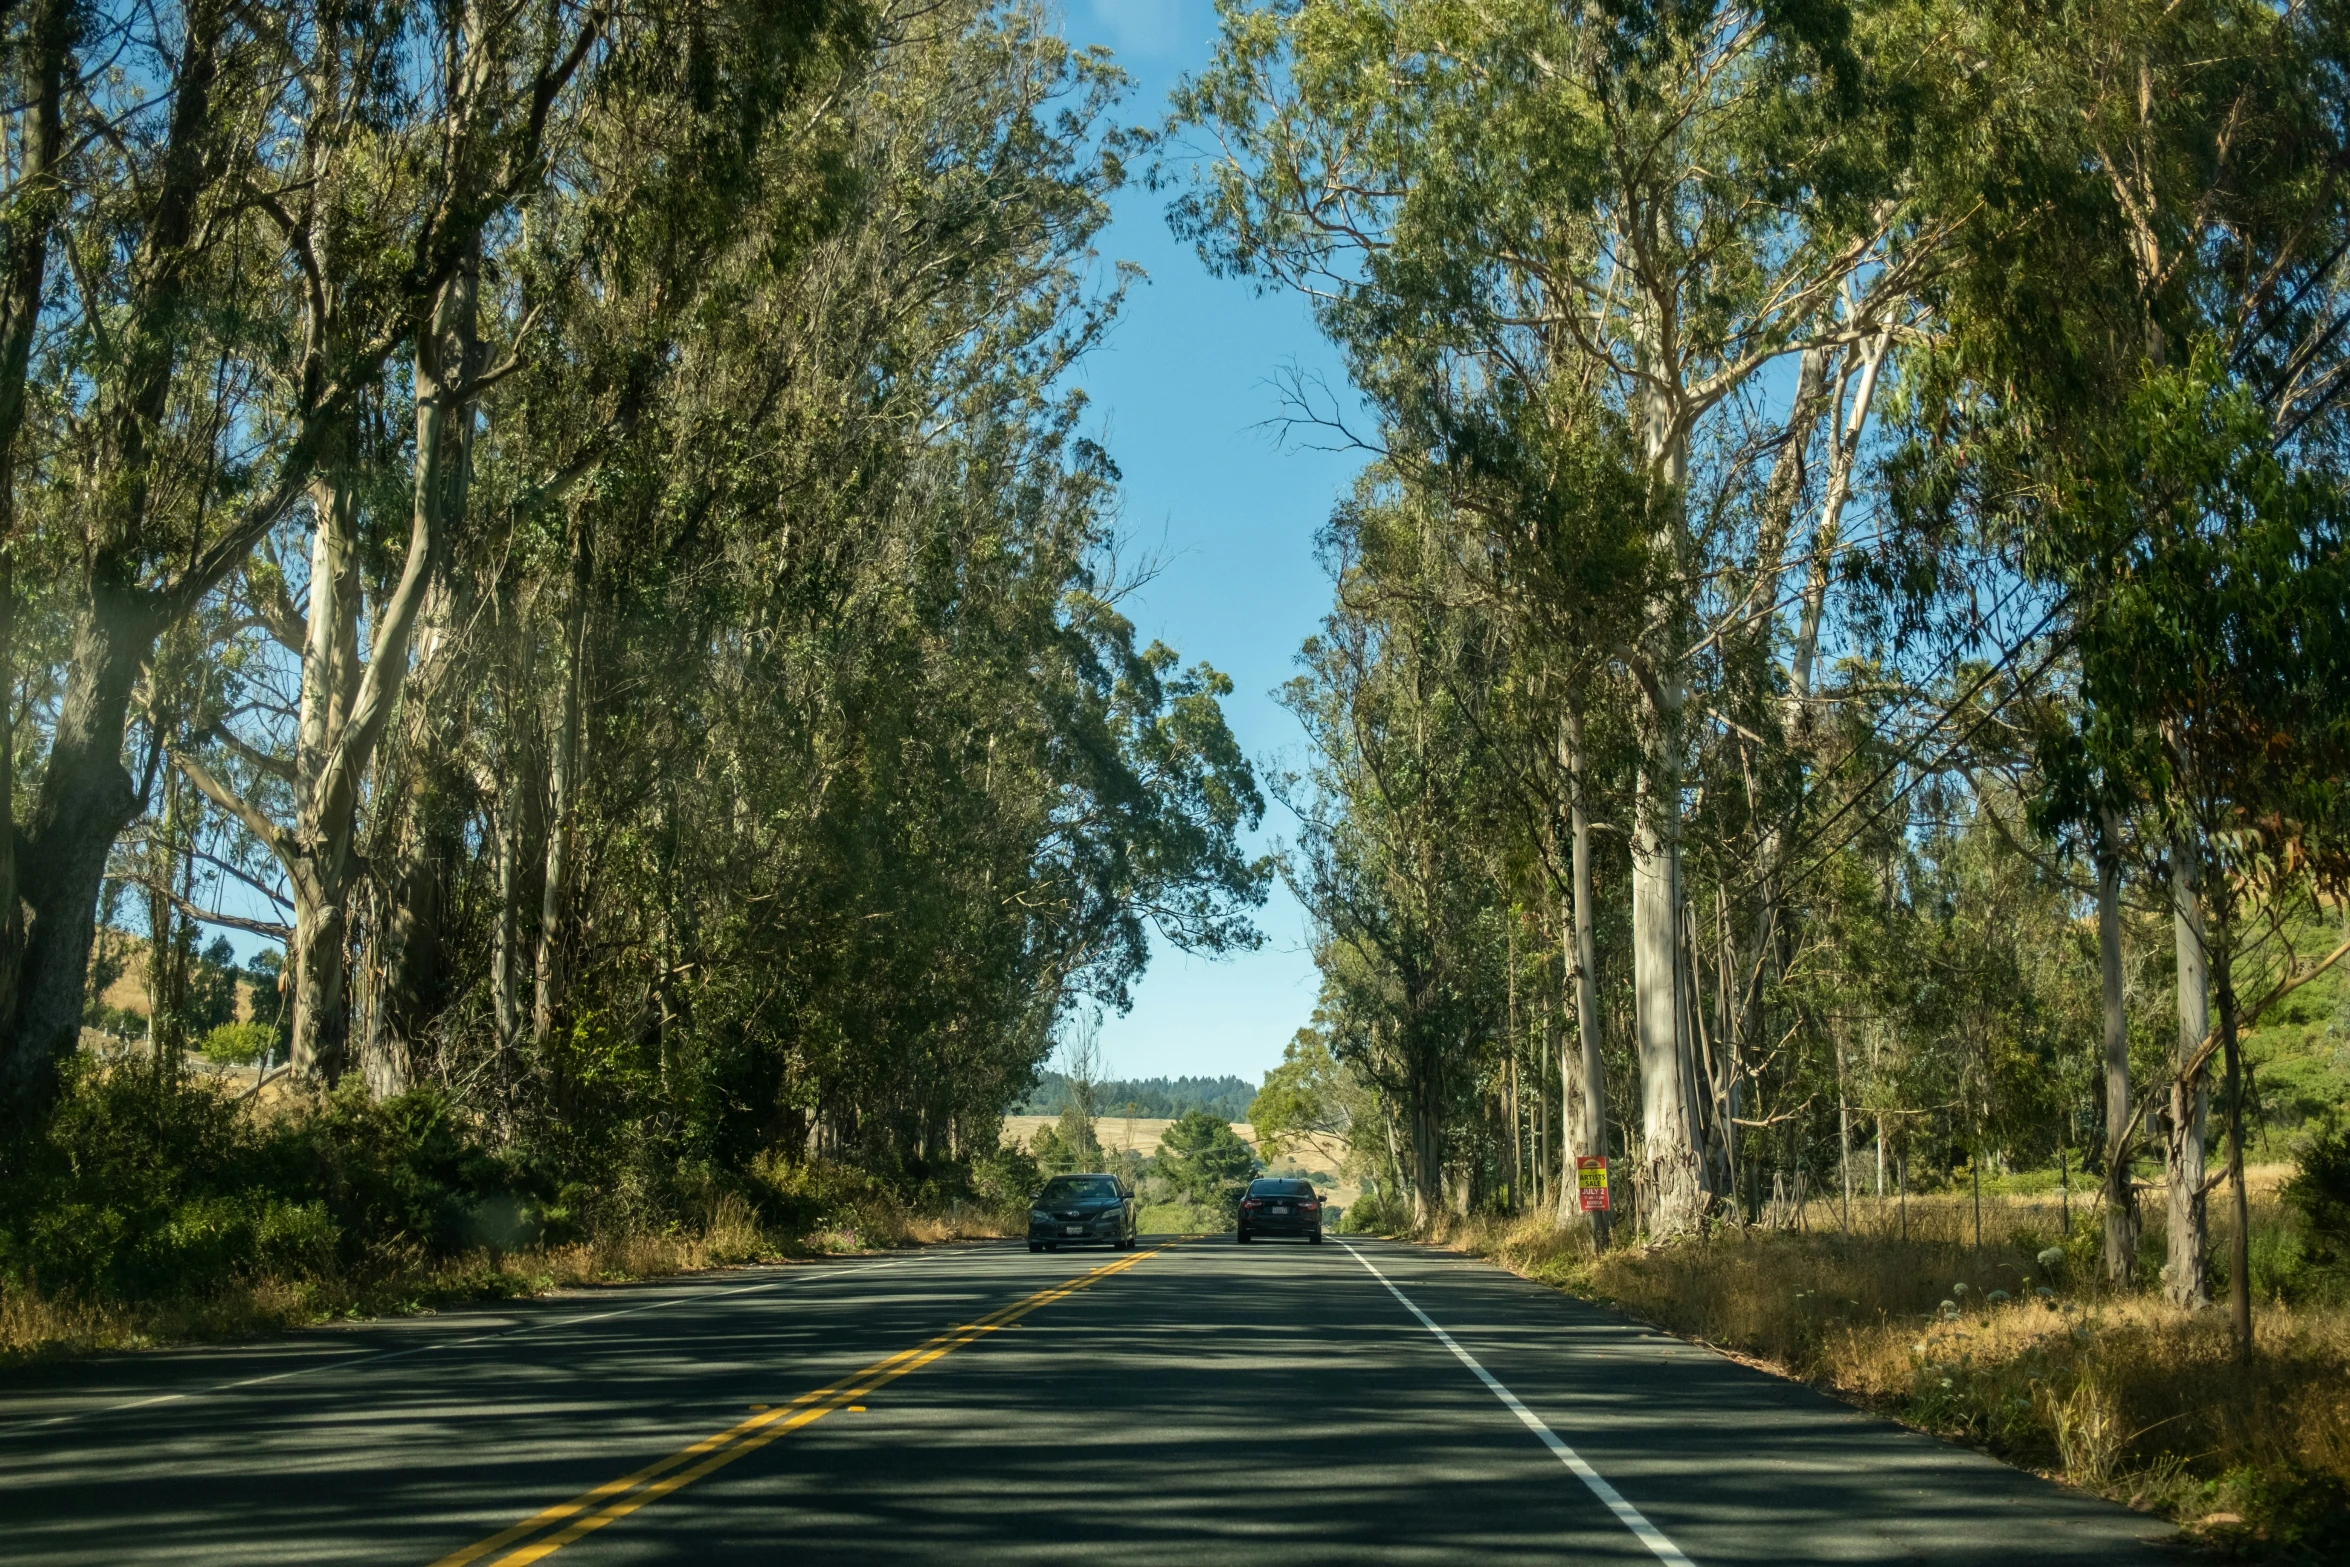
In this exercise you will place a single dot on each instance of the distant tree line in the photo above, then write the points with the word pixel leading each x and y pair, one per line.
pixel 1160 1098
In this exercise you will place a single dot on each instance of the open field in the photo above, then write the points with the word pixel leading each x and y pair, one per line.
pixel 1138 1135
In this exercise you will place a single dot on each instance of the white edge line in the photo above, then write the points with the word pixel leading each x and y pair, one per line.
pixel 347 1362
pixel 1626 1514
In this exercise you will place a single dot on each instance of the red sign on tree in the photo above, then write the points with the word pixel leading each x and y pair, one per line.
pixel 1591 1183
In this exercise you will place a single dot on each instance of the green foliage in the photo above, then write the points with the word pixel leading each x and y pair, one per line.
pixel 1306 1093
pixel 808 778
pixel 1376 1213
pixel 1205 1161
pixel 1007 1178
pixel 2319 1192
pixel 144 1187
pixel 1065 1148
pixel 212 989
pixel 238 1044
pixel 837 1206
pixel 1185 1218
pixel 1602 557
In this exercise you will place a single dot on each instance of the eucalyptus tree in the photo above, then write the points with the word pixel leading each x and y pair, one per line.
pixel 2218 651
pixel 1544 205
pixel 639 595
pixel 1395 866
pixel 38 59
pixel 2153 180
pixel 433 168
pixel 306 194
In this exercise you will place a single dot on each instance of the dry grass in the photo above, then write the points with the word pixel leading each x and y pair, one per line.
pixel 2010 1349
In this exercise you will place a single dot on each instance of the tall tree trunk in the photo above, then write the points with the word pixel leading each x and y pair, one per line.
pixel 506 938
pixel 85 801
pixel 1513 1192
pixel 1843 1127
pixel 2121 1195
pixel 347 708
pixel 1730 1088
pixel 1671 1177
pixel 319 867
pixel 1669 1172
pixel 11 905
pixel 1427 1161
pixel 514 789
pixel 1588 1135
pixel 39 198
pixel 86 797
pixel 2190 1093
pixel 2240 1236
pixel 322 1018
pixel 563 801
pixel 168 950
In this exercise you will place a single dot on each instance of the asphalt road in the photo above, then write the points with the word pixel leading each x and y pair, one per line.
pixel 1197 1404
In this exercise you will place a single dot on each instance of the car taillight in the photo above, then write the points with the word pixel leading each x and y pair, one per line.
pixel 1309 1206
pixel 1251 1202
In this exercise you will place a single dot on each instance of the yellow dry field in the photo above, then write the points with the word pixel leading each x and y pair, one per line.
pixel 1119 1134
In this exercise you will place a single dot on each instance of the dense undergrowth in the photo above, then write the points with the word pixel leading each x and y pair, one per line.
pixel 2018 1348
pixel 152 1208
pixel 1184 1218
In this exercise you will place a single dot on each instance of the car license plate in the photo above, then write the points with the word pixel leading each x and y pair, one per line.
pixel 1280 1207
pixel 1073 1229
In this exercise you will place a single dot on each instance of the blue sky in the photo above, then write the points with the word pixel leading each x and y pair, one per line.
pixel 1182 395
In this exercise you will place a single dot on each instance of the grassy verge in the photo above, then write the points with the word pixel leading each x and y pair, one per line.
pixel 153 1207
pixel 2013 1349
pixel 40 1326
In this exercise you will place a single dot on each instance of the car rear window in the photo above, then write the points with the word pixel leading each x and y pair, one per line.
pixel 1281 1189
pixel 1065 1188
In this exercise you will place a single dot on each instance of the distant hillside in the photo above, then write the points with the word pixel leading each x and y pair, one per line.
pixel 1160 1097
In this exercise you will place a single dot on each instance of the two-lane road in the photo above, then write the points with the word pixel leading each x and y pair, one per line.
pixel 1200 1402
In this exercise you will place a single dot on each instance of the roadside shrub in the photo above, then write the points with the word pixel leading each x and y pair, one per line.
pixel 237 1044
pixel 2319 1191
pixel 1377 1213
pixel 1007 1178
pixel 1183 1218
pixel 136 1185
pixel 400 1173
pixel 833 1206
pixel 143 1185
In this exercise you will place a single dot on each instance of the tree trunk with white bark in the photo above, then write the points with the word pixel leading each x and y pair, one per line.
pixel 2190 1090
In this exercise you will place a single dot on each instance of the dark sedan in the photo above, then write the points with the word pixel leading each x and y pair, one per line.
pixel 1081 1210
pixel 1275 1206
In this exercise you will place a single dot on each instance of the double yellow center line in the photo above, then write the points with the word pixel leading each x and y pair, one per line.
pixel 614 1500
